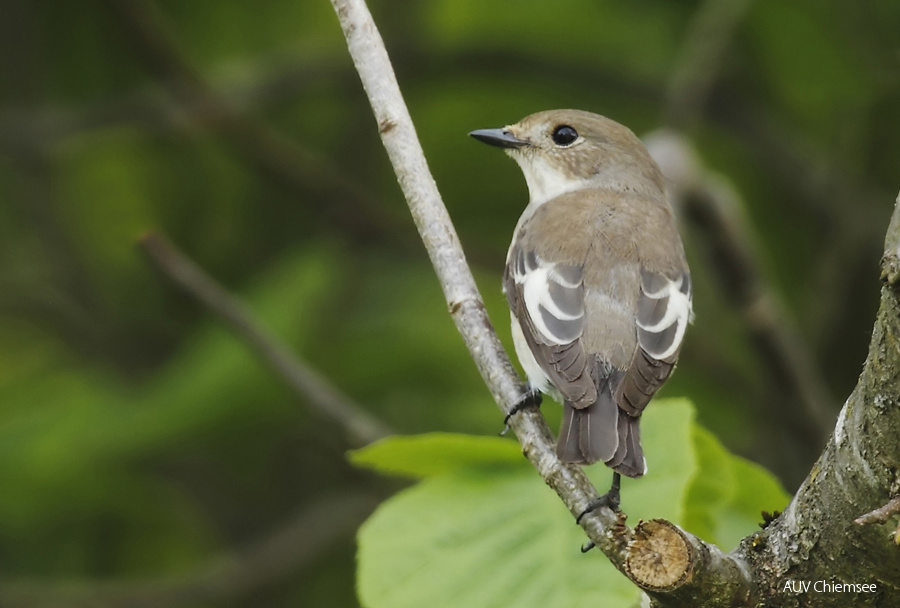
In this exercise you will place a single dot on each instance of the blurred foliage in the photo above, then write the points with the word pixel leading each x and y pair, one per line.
pixel 487 532
pixel 139 438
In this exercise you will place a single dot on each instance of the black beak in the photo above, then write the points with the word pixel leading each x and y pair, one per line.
pixel 498 137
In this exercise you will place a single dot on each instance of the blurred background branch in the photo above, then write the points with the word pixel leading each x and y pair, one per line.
pixel 359 426
pixel 701 59
pixel 800 414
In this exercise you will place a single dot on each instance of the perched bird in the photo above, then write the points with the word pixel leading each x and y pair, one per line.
pixel 596 280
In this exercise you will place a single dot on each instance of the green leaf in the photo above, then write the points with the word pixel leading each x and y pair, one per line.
pixel 728 494
pixel 711 489
pixel 474 534
pixel 437 453
pixel 480 539
pixel 757 491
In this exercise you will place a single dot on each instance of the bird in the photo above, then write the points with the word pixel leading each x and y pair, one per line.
pixel 597 282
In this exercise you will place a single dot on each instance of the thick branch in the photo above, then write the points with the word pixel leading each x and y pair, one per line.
pixel 817 537
pixel 467 309
pixel 360 426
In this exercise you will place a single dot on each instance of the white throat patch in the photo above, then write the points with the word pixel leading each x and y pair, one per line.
pixel 544 182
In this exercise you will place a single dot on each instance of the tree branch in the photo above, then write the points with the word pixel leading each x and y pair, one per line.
pixel 881 514
pixel 675 568
pixel 816 537
pixel 359 425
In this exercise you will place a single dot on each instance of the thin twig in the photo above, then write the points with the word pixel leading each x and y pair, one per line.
pixel 359 425
pixel 305 537
pixel 881 514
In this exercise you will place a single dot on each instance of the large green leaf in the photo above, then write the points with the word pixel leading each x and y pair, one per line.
pixel 478 535
pixel 480 539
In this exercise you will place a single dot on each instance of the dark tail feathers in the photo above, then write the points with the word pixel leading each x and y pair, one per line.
pixel 604 432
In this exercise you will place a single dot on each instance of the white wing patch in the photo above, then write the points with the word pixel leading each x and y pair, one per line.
pixel 664 311
pixel 537 377
pixel 553 296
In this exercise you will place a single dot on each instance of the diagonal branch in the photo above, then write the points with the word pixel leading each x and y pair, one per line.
pixel 857 471
pixel 359 425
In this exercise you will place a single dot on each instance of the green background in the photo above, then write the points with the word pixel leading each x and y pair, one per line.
pixel 140 441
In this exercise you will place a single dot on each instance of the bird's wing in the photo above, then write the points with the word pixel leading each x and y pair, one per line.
pixel 547 298
pixel 663 313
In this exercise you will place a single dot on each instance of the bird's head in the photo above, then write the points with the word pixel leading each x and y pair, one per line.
pixel 564 150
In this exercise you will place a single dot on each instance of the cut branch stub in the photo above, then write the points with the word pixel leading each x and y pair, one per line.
pixel 660 557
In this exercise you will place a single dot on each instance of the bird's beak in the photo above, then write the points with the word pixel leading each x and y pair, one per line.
pixel 502 138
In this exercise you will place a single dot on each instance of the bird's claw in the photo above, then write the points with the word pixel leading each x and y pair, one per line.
pixel 611 500
pixel 531 398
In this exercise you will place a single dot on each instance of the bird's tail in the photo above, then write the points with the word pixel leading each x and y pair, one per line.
pixel 602 432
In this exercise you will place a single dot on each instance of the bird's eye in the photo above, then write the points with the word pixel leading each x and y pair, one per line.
pixel 563 135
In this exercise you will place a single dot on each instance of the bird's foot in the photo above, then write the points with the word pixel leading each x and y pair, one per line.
pixel 531 398
pixel 611 499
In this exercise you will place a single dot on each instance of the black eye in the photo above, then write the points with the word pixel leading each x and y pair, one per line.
pixel 563 135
